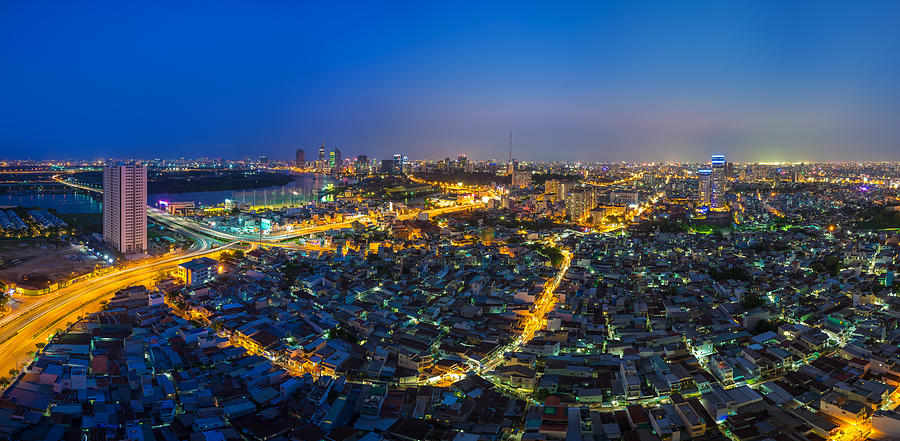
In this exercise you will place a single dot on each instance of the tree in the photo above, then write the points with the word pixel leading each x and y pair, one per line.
pixel 4 382
pixel 541 394
pixel 751 301
pixel 232 256
pixel 765 326
pixel 160 275
pixel 13 372
pixel 830 265
pixel 555 255
pixel 733 273
pixel 40 345
pixel 341 332
pixel 551 252
pixel 291 270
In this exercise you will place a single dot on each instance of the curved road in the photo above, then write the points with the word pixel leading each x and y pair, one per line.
pixel 188 225
pixel 536 320
pixel 20 330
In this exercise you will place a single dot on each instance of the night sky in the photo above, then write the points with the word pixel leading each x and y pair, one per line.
pixel 641 81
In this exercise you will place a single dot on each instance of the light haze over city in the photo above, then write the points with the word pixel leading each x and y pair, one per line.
pixel 593 81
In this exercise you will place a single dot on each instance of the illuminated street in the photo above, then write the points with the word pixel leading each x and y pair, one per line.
pixel 471 221
pixel 19 331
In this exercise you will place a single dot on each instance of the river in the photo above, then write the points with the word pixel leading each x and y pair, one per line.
pixel 303 188
pixel 62 202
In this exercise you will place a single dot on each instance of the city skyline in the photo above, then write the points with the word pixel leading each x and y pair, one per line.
pixel 597 83
pixel 491 221
pixel 623 301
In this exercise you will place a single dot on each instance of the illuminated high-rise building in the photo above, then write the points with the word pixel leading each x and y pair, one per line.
pixel 579 202
pixel 704 176
pixel 337 160
pixel 563 188
pixel 760 172
pixel 462 161
pixel 551 186
pixel 301 157
pixel 521 178
pixel 362 165
pixel 322 153
pixel 718 182
pixel 125 206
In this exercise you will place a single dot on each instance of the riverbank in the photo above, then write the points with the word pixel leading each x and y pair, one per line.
pixel 197 181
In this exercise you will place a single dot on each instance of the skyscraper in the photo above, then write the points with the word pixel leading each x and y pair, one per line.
pixel 717 182
pixel 338 160
pixel 362 164
pixel 301 158
pixel 462 161
pixel 579 202
pixel 551 186
pixel 125 206
pixel 521 178
pixel 392 166
pixel 704 175
pixel 322 152
pixel 563 188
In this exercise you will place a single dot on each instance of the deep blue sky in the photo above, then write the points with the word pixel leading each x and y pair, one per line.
pixel 600 81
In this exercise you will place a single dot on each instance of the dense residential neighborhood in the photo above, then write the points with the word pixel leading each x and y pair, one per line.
pixel 525 318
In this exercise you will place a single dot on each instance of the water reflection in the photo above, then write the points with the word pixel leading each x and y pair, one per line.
pixel 62 202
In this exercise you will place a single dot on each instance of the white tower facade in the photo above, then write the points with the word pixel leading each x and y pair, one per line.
pixel 125 206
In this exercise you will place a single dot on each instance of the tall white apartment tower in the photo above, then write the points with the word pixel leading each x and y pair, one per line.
pixel 125 206
pixel 718 182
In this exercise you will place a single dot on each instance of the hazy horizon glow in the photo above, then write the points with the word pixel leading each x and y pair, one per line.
pixel 666 81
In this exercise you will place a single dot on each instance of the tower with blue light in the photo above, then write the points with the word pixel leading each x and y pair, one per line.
pixel 703 176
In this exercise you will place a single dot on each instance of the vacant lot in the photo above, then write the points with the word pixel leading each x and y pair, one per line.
pixel 35 264
pixel 85 223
